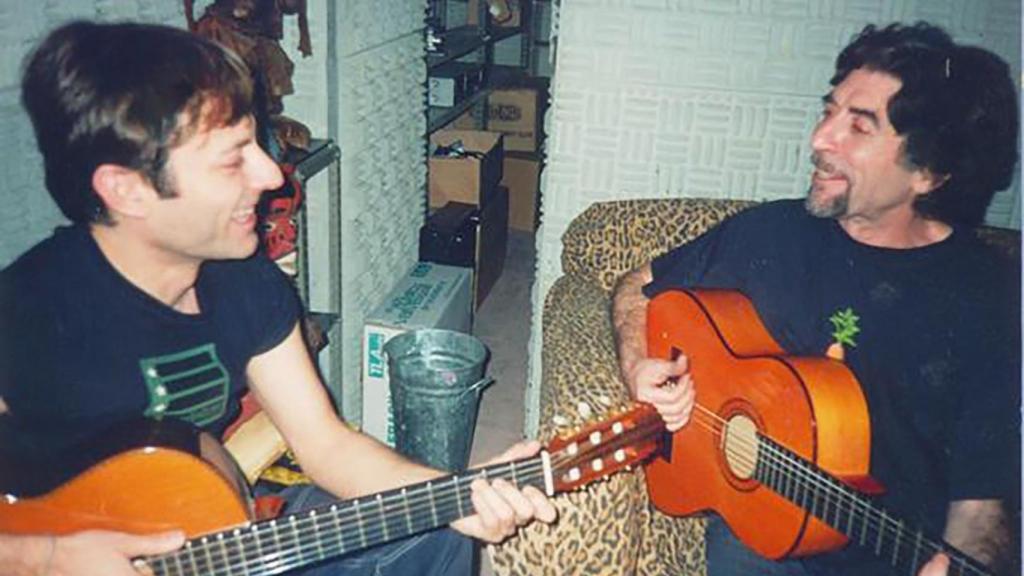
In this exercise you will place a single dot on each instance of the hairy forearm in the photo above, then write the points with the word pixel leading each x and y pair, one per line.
pixel 24 555
pixel 981 529
pixel 629 318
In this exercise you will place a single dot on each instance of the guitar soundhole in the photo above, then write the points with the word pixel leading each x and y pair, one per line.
pixel 739 445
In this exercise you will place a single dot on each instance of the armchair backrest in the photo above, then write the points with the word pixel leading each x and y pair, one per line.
pixel 609 239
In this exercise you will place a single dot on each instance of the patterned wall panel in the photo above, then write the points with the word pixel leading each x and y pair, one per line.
pixel 688 98
pixel 381 126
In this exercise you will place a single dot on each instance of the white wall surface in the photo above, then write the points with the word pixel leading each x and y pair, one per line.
pixel 708 98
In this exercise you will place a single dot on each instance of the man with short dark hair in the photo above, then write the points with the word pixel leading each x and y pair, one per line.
pixel 916 136
pixel 152 304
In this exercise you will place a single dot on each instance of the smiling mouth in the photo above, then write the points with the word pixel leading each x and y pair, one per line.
pixel 820 175
pixel 245 217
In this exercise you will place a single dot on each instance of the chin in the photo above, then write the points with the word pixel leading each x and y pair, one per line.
pixel 821 205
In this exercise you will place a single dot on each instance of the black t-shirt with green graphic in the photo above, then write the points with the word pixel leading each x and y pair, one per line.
pixel 937 353
pixel 81 348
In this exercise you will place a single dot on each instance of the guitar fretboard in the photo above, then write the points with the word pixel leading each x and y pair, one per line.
pixel 850 513
pixel 286 543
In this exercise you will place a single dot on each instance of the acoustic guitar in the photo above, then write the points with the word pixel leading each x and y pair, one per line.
pixel 778 445
pixel 163 476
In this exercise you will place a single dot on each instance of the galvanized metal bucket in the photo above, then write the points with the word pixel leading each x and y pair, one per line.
pixel 436 377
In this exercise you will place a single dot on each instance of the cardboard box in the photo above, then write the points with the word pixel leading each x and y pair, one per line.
pixel 521 175
pixel 491 245
pixel 514 113
pixel 471 179
pixel 429 296
pixel 466 121
pixel 461 234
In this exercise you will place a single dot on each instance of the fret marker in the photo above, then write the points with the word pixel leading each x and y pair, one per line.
pixel 618 428
pixel 574 474
pixel 620 455
pixel 597 464
pixel 572 449
pixel 595 437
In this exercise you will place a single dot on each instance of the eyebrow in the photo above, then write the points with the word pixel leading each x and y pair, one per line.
pixel 871 115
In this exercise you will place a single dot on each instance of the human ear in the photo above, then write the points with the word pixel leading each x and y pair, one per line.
pixel 925 181
pixel 124 191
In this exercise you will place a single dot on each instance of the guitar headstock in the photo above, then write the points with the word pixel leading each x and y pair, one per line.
pixel 600 449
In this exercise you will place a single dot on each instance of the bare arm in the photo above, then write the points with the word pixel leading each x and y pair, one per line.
pixel 981 529
pixel 24 555
pixel 336 457
pixel 664 384
pixel 349 463
pixel 90 552
pixel 629 318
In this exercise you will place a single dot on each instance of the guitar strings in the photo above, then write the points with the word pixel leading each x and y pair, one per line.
pixel 875 521
pixel 296 553
pixel 228 548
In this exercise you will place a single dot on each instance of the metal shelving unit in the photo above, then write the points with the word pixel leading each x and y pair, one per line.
pixel 476 43
pixel 323 156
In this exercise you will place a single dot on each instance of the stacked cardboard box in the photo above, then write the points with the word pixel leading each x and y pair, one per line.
pixel 469 223
pixel 428 296
pixel 517 113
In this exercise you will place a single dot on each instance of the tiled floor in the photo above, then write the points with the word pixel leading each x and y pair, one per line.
pixel 503 323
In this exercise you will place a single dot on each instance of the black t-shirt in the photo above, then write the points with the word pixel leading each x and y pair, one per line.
pixel 81 348
pixel 937 354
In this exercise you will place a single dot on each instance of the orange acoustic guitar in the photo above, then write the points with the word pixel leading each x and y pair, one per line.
pixel 163 476
pixel 778 445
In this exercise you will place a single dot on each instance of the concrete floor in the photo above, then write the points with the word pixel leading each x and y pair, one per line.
pixel 503 323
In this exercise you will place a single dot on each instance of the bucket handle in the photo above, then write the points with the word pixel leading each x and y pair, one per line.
pixel 479 385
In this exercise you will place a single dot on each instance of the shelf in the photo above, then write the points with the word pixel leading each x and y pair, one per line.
pixel 322 152
pixel 465 39
pixel 438 116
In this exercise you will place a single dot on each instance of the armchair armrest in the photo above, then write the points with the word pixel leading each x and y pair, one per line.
pixel 608 527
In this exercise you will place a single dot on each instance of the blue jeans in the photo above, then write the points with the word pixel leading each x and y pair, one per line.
pixel 727 556
pixel 433 553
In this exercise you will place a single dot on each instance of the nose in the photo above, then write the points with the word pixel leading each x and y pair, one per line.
pixel 823 138
pixel 265 174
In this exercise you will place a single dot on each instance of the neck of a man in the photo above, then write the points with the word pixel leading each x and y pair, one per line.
pixel 899 230
pixel 168 278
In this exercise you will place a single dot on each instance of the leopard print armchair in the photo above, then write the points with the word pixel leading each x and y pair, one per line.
pixel 609 527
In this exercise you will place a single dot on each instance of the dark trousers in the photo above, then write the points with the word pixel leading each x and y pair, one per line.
pixel 432 553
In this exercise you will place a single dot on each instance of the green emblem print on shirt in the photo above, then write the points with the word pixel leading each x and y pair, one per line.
pixel 190 385
pixel 844 328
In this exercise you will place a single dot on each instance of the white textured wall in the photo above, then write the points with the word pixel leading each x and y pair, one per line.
pixel 381 129
pixel 714 98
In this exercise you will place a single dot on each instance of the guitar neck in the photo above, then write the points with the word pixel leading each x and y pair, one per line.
pixel 296 540
pixel 845 510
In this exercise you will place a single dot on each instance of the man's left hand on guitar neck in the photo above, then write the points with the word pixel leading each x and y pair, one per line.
pixel 502 508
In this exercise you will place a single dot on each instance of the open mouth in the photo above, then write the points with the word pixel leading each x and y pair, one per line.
pixel 246 217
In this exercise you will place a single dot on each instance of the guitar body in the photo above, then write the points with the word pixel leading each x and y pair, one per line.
pixel 166 478
pixel 812 406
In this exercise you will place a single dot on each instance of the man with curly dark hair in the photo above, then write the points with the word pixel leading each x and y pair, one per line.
pixel 916 136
